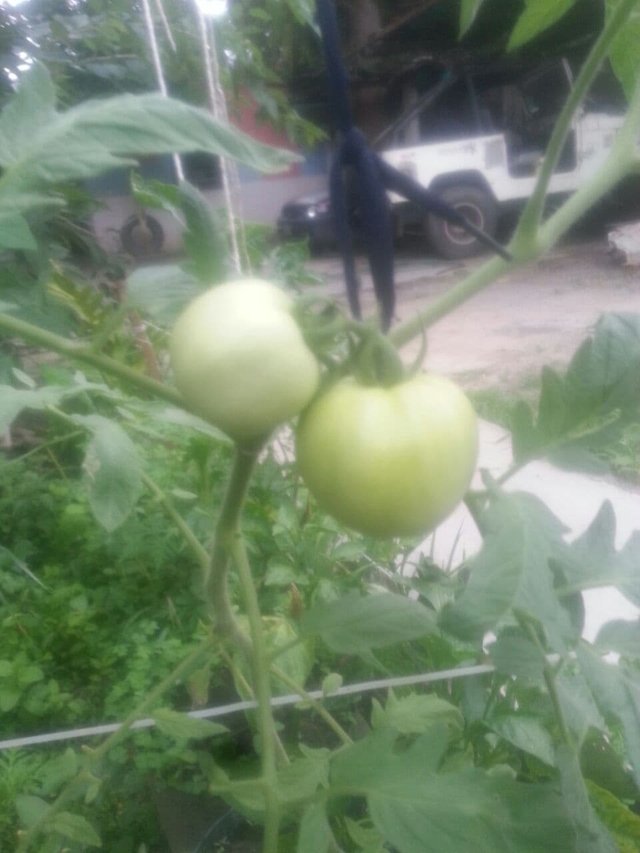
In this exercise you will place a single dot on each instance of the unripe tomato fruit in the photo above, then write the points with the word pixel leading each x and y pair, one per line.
pixel 239 358
pixel 389 461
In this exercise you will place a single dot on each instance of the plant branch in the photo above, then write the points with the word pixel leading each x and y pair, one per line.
pixel 317 706
pixel 227 527
pixel 77 352
pixel 195 546
pixel 266 723
pixel 549 675
pixel 532 214
pixel 476 281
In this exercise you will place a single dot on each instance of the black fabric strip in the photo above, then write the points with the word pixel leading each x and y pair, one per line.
pixel 372 178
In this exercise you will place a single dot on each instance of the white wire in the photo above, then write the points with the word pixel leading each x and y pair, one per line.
pixel 218 105
pixel 159 70
pixel 237 707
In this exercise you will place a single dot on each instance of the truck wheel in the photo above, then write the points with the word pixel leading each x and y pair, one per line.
pixel 142 236
pixel 452 242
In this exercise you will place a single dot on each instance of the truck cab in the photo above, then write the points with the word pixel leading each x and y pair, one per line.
pixel 477 138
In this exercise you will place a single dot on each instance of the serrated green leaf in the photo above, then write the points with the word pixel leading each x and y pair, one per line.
pixel 75 828
pixel 620 636
pixel 356 624
pixel 619 820
pixel 515 654
pixel 331 683
pixel 604 374
pixel 592 560
pixel 57 771
pixel 315 834
pixel 416 714
pixel 525 733
pixel 162 292
pixel 183 727
pixel 580 711
pixel 537 16
pixel 113 472
pixel 298 784
pixel 15 400
pixel 591 835
pixel 419 810
pixel 43 147
pixel 513 571
pixel 204 241
pixel 30 809
pixel 624 55
pixel 29 111
pixel 15 233
pixel 616 692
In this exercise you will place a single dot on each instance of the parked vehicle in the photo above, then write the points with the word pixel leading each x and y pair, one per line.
pixel 307 217
pixel 477 138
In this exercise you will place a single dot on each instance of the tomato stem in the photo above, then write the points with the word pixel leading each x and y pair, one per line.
pixel 262 687
pixel 227 527
pixel 77 352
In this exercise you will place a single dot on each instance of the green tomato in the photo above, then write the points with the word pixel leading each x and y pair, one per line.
pixel 239 358
pixel 389 461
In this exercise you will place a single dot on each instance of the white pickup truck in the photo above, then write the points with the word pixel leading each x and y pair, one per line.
pixel 478 141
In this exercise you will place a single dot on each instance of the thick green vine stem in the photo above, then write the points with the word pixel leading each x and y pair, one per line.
pixel 77 352
pixel 228 547
pixel 216 589
pixel 262 687
pixel 532 214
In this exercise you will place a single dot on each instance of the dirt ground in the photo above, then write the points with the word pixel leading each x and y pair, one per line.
pixel 536 315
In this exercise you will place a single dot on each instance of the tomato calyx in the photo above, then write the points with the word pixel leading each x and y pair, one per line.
pixel 376 361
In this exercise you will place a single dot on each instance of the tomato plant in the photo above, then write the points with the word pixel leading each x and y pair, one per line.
pixel 389 461
pixel 240 360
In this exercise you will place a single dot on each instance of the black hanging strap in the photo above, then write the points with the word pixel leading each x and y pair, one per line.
pixel 372 178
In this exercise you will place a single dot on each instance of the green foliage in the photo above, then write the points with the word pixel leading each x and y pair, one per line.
pixel 540 754
pixel 40 147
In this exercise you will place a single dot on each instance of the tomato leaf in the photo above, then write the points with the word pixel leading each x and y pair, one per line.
pixel 30 809
pixel 591 835
pixel 355 624
pixel 620 820
pixel 113 472
pixel 624 55
pixel 513 571
pixel 415 714
pixel 589 407
pixel 315 834
pixel 537 16
pixel 525 733
pixel 183 727
pixel 593 561
pixel 415 807
pixel 576 700
pixel 75 827
pixel 162 291
pixel 514 654
pixel 620 636
pixel 616 691
pixel 468 12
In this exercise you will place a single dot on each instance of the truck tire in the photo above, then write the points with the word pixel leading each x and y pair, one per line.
pixel 451 241
pixel 142 236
